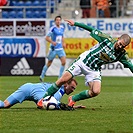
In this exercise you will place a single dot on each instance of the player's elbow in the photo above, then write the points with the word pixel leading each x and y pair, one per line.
pixel 47 38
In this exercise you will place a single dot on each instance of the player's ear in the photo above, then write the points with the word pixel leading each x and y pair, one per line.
pixel 65 84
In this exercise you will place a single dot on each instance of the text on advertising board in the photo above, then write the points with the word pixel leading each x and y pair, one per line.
pixel 30 28
pixel 19 47
pixel 6 28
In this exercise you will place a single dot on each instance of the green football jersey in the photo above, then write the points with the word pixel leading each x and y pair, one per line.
pixel 103 52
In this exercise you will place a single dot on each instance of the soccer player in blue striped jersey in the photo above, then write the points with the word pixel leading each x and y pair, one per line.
pixel 89 63
pixel 35 91
pixel 56 39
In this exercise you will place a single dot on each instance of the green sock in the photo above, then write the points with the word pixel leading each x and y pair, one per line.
pixel 51 90
pixel 81 96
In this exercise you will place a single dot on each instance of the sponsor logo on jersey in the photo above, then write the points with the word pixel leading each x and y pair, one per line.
pixel 22 68
pixel 104 57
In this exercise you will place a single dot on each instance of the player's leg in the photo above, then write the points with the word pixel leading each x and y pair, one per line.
pixel 55 87
pixel 5 104
pixel 72 71
pixel 93 80
pixel 62 57
pixel 10 101
pixel 18 96
pixel 50 57
pixel 95 88
pixel 44 70
pixel 62 67
pixel 1 104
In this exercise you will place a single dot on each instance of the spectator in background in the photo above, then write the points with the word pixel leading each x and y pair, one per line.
pixel 3 2
pixel 117 8
pixel 102 6
pixel 112 4
pixel 85 5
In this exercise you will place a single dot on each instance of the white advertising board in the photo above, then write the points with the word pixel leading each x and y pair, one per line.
pixel 22 37
pixel 114 26
pixel 113 69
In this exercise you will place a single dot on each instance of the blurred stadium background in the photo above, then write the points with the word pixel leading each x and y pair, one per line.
pixel 23 50
pixel 24 24
pixel 66 8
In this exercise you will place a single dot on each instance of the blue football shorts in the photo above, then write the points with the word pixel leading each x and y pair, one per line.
pixel 21 94
pixel 53 53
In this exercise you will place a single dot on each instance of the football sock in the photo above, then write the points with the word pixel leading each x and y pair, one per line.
pixel 61 71
pixel 81 96
pixel 44 71
pixel 1 104
pixel 51 90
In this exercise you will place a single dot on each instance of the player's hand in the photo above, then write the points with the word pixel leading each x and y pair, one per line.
pixel 79 106
pixel 70 22
pixel 54 43
pixel 64 106
pixel 64 45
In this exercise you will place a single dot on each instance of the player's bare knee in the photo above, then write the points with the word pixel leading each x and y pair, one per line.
pixel 93 93
pixel 6 104
pixel 96 93
pixel 63 63
pixel 49 64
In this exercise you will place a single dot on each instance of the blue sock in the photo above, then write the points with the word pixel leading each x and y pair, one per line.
pixel 61 71
pixel 1 104
pixel 44 71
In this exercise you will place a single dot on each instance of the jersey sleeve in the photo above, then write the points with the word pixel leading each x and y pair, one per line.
pixel 86 27
pixel 127 62
pixel 95 33
pixel 50 32
pixel 59 94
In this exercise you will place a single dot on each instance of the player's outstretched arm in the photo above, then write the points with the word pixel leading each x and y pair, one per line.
pixel 81 25
pixel 70 22
pixel 127 62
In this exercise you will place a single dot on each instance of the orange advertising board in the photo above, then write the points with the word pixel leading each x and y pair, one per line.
pixel 129 49
pixel 76 46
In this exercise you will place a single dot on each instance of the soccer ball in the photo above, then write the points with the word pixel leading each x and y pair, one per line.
pixel 49 103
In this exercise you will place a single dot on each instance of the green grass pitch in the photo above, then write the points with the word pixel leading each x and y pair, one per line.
pixel 109 112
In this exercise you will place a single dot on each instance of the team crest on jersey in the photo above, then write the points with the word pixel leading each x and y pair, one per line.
pixel 104 57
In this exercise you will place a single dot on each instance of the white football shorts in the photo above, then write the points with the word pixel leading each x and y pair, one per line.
pixel 78 68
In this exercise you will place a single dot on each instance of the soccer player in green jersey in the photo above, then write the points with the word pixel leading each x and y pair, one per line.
pixel 89 63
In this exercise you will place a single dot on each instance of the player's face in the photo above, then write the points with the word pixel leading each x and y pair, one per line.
pixel 120 45
pixel 69 88
pixel 58 21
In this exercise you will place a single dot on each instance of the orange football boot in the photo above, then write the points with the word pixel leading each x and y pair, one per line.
pixel 71 102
